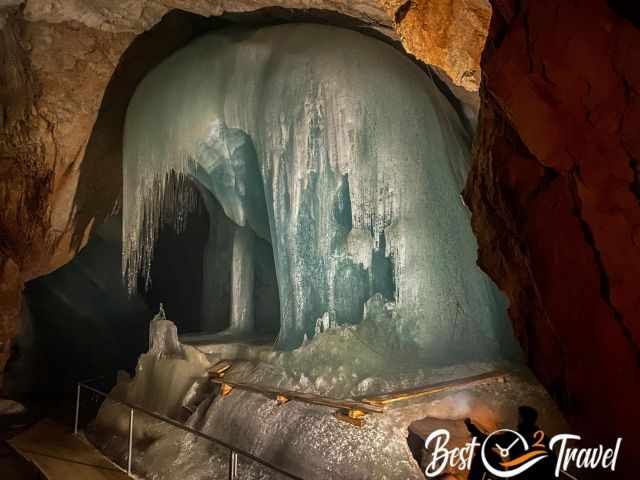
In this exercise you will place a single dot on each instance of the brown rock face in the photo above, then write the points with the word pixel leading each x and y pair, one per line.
pixel 58 91
pixel 429 29
pixel 10 299
pixel 555 198
pixel 50 97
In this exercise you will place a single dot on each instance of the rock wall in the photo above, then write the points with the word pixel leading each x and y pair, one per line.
pixel 555 195
pixel 53 78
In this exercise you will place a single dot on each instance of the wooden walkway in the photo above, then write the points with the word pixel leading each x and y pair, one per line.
pixel 60 455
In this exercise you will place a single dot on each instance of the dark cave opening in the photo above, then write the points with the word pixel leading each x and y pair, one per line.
pixel 191 273
pixel 81 322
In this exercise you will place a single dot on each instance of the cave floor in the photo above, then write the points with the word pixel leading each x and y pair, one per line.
pixel 13 466
pixel 12 424
pixel 60 455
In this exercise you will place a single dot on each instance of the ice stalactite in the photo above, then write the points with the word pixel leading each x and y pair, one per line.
pixel 343 154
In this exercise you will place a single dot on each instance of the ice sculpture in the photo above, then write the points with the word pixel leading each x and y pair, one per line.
pixel 343 154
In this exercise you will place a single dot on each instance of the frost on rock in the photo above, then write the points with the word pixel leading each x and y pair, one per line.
pixel 343 155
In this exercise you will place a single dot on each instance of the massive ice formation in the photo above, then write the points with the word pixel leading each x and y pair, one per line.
pixel 343 154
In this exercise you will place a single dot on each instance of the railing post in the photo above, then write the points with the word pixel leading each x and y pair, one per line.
pixel 233 455
pixel 75 426
pixel 233 465
pixel 130 441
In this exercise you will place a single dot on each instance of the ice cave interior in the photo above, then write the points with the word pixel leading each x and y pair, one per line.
pixel 368 202
pixel 274 188
pixel 291 200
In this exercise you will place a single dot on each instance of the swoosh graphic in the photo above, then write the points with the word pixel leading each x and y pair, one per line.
pixel 523 458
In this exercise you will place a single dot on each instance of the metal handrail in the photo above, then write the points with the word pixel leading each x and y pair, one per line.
pixel 234 451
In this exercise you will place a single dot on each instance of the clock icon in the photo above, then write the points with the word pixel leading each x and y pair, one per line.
pixel 506 453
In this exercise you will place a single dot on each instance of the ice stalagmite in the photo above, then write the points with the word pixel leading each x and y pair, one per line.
pixel 344 155
pixel 242 281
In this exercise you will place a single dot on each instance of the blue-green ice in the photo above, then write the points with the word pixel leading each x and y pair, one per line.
pixel 340 152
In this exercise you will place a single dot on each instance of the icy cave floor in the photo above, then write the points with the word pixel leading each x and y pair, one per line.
pixel 304 439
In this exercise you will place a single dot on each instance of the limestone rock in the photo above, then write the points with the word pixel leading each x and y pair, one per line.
pixel 556 204
pixel 447 34
pixel 139 15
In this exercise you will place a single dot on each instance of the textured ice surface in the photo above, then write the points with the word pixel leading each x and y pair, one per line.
pixel 164 378
pixel 242 280
pixel 163 336
pixel 343 154
pixel 304 439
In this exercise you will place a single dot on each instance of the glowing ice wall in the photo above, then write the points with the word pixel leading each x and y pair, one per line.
pixel 344 155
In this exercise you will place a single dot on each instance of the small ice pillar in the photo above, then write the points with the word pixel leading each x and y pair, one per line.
pixel 242 281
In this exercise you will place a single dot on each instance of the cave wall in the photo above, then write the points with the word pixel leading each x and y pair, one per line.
pixel 555 198
pixel 50 97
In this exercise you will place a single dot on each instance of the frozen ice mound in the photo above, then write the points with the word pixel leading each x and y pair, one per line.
pixel 345 156
pixel 341 153
pixel 304 439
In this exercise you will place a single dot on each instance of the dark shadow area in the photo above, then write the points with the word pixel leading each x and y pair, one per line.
pixel 626 9
pixel 177 269
pixel 191 270
pixel 81 322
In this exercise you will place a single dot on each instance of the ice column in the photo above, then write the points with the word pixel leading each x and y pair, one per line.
pixel 242 281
